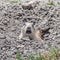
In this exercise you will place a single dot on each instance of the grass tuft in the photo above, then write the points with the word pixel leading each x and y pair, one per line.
pixel 52 54
pixel 51 2
pixel 18 56
pixel 58 3
pixel 14 1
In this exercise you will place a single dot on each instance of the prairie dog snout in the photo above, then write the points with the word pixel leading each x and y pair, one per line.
pixel 28 31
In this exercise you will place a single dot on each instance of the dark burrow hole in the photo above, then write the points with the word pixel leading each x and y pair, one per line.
pixel 45 32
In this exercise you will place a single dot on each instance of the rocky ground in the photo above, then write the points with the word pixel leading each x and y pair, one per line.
pixel 12 18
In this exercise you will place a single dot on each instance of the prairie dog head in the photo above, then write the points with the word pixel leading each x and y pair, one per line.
pixel 29 27
pixel 28 30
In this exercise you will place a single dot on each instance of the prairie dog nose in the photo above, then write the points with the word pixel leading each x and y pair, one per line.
pixel 29 28
pixel 28 31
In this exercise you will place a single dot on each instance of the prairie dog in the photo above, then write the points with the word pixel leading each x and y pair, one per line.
pixel 28 30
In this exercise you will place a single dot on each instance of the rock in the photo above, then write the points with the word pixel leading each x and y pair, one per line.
pixel 13 29
pixel 2 36
pixel 20 46
pixel 11 59
pixel 11 34
pixel 29 5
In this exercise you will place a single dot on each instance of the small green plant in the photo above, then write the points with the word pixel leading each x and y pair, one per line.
pixel 13 1
pixel 35 57
pixel 40 57
pixel 52 54
pixel 18 56
pixel 50 2
pixel 58 3
pixel 31 57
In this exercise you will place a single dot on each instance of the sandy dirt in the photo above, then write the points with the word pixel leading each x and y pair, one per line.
pixel 13 17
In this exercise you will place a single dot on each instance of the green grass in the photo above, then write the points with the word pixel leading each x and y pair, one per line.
pixel 50 2
pixel 58 3
pixel 14 1
pixel 52 54
pixel 18 56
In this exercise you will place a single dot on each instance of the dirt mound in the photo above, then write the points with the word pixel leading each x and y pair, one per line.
pixel 12 18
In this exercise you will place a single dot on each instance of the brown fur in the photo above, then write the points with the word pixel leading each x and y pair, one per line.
pixel 38 34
